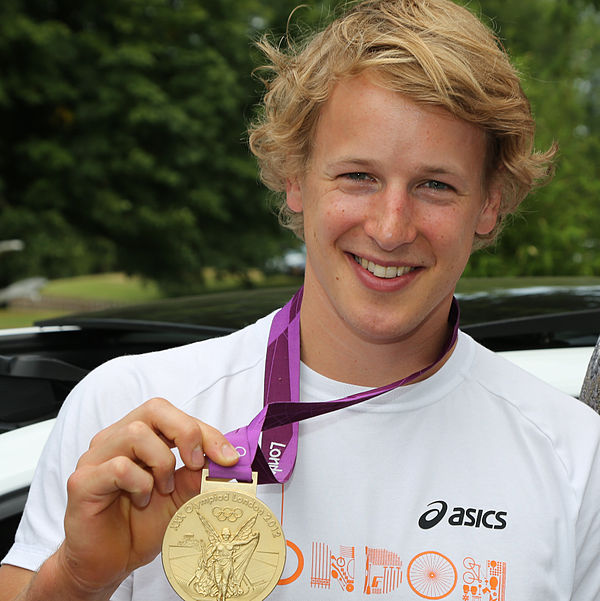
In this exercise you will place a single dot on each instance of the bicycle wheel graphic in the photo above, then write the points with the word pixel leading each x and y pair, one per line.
pixel 431 575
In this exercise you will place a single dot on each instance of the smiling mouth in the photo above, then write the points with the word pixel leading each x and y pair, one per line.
pixel 381 271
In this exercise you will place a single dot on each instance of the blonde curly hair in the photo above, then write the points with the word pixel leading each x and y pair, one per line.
pixel 434 52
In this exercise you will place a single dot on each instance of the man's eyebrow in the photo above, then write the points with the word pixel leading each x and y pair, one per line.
pixel 351 161
pixel 426 168
pixel 442 169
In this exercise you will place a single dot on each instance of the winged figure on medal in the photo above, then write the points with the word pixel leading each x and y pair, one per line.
pixel 222 566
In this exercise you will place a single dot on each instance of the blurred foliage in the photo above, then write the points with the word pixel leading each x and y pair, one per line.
pixel 556 46
pixel 123 136
pixel 122 141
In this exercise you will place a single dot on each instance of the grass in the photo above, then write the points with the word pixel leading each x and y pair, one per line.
pixel 467 285
pixel 113 287
pixel 117 288
pixel 109 287
pixel 22 318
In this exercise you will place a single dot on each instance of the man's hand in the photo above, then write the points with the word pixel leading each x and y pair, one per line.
pixel 125 490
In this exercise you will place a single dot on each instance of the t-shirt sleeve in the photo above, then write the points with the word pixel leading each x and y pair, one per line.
pixel 99 400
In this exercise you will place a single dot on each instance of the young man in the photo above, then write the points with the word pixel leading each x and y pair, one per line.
pixel 401 138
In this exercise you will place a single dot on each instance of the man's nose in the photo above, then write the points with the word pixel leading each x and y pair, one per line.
pixel 391 219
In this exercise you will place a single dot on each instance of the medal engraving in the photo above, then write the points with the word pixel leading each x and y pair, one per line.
pixel 224 544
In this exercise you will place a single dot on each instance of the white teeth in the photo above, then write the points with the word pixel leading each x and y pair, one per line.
pixel 381 271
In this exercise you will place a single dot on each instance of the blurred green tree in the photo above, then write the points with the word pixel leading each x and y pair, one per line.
pixel 123 124
pixel 556 45
pixel 122 143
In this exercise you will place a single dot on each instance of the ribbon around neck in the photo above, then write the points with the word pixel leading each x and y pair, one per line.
pixel 274 459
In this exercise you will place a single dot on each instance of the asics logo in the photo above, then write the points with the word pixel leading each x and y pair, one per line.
pixel 461 516
pixel 434 516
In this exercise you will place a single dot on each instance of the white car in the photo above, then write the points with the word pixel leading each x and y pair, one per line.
pixel 549 331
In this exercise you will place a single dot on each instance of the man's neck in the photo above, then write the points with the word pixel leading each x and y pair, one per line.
pixel 342 355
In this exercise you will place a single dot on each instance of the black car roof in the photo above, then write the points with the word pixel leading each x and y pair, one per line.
pixel 236 309
pixel 542 316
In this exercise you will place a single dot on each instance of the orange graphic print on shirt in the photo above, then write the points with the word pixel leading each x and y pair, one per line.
pixel 327 567
pixel 431 575
pixel 427 575
pixel 486 583
pixel 383 571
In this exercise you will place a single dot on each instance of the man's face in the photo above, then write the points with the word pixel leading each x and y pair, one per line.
pixel 392 198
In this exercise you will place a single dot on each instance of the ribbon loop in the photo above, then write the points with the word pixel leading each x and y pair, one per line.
pixel 274 459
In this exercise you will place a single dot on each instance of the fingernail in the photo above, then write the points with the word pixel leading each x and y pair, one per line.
pixel 171 484
pixel 229 452
pixel 144 499
pixel 198 456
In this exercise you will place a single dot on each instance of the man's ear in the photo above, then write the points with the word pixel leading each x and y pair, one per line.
pixel 293 195
pixel 488 217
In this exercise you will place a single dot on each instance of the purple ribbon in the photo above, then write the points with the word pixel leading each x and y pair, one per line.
pixel 278 421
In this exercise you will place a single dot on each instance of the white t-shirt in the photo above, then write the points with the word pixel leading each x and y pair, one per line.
pixel 480 483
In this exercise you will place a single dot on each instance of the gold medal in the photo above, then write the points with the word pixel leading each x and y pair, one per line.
pixel 224 544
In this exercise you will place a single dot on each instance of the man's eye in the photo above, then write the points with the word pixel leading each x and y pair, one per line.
pixel 434 184
pixel 358 176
